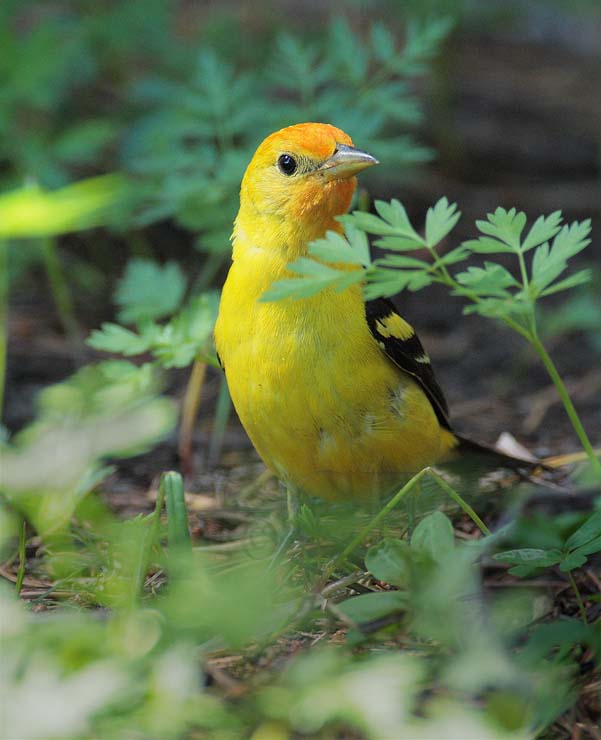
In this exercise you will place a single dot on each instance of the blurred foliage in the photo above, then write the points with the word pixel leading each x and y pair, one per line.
pixel 87 87
pixel 148 292
pixel 189 151
pixel 579 313
pixel 109 409
pixel 31 212
pixel 62 66
pixel 140 667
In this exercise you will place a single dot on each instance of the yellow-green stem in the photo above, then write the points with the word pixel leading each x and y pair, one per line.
pixel 349 549
pixel 578 597
pixel 189 413
pixel 460 502
pixel 568 405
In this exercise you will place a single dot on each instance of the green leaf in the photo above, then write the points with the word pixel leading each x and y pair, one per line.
pixel 592 547
pixel 433 537
pixel 574 560
pixel 440 220
pixel 389 561
pixel 507 226
pixel 543 229
pixel 316 275
pixel 382 42
pixel 590 530
pixel 359 242
pixel 335 248
pixel 149 290
pixel 401 261
pixel 572 239
pixel 387 282
pixel 507 307
pixel 486 245
pixel 312 268
pixel 455 255
pixel 561 634
pixel 370 223
pixel 490 280
pixel 550 261
pixel 578 278
pixel 396 215
pixel 117 339
pixel 368 607
pixel 293 288
pixel 187 335
pixel 532 557
pixel 83 142
pixel 399 243
pixel 178 531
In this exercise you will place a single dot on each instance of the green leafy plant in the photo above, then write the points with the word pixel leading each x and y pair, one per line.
pixel 188 151
pixel 147 293
pixel 572 553
pixel 173 491
pixel 413 262
pixel 108 409
pixel 47 131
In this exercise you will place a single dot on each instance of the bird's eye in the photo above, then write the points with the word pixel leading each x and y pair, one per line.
pixel 287 164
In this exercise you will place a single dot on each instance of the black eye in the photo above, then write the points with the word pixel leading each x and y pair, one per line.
pixel 287 164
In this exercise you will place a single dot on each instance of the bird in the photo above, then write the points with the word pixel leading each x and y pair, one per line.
pixel 336 393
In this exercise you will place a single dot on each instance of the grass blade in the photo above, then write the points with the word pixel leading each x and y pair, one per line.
pixel 178 533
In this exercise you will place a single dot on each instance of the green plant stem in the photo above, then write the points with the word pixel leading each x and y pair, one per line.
pixel 578 597
pixel 61 293
pixel 532 337
pixel 22 559
pixel 568 405
pixel 4 286
pixel 356 541
pixel 409 486
pixel 460 502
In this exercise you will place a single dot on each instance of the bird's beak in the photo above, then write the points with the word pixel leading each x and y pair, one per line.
pixel 346 162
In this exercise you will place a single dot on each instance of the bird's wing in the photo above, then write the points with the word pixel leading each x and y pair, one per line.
pixel 401 344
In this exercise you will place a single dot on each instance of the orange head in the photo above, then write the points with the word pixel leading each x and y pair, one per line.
pixel 299 179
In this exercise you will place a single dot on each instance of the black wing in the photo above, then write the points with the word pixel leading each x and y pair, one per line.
pixel 400 343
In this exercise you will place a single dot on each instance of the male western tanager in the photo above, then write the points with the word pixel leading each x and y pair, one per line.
pixel 337 394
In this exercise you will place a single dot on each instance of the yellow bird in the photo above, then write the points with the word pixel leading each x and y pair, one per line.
pixel 336 394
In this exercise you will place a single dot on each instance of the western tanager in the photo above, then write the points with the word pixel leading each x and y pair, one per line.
pixel 337 394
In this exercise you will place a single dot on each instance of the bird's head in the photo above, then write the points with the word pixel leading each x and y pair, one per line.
pixel 301 178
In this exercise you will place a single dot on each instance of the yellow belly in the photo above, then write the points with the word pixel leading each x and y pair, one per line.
pixel 326 410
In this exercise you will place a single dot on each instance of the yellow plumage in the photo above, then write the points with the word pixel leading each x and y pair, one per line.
pixel 324 406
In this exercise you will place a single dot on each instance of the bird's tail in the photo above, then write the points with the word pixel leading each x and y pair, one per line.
pixel 519 460
pixel 513 455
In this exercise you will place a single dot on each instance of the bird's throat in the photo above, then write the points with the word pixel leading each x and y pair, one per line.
pixel 285 236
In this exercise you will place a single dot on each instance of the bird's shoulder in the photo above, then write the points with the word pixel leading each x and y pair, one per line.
pixel 398 340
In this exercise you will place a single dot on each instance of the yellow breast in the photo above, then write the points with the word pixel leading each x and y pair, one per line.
pixel 326 410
